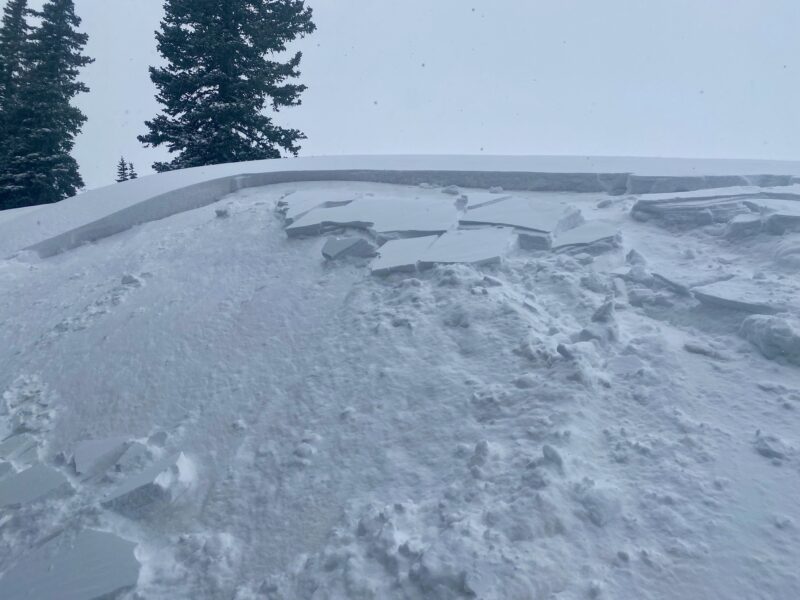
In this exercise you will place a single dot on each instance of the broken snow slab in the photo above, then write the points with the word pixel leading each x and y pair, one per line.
pixel 523 213
pixel 6 468
pixel 159 484
pixel 747 295
pixel 383 214
pixel 30 485
pixel 95 457
pixel 688 212
pixel 20 449
pixel 298 203
pixel 401 255
pixel 470 246
pixel 587 234
pixel 341 247
pixel 89 566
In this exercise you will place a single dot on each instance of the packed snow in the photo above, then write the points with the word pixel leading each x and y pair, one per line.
pixel 409 383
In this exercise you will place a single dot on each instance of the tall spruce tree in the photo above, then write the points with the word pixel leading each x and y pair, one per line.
pixel 13 36
pixel 221 75
pixel 37 166
pixel 123 174
pixel 132 174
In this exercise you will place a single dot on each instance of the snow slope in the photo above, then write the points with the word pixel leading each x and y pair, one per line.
pixel 563 425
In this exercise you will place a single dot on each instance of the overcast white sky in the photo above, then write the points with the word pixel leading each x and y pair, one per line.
pixel 696 78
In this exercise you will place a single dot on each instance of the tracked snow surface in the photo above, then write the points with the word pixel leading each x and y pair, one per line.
pixel 580 393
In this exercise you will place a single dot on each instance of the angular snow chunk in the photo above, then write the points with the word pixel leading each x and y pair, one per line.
pixel 94 457
pixel 297 204
pixel 775 337
pixel 770 446
pixel 588 233
pixel 743 225
pixel 338 247
pixel 131 280
pixel 535 241
pixel 469 246
pixel 384 214
pixel 401 255
pixel 634 257
pixel 222 213
pixel 134 458
pixel 20 449
pixel 6 468
pixel 689 211
pixel 534 215
pixel 91 566
pixel 160 484
pixel 30 485
pixel 452 190
pixel 747 295
pixel 605 313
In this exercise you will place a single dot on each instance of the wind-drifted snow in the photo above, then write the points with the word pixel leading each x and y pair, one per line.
pixel 260 422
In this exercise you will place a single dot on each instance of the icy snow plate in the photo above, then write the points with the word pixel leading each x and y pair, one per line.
pixel 469 246
pixel 336 247
pixel 534 215
pixel 20 449
pixel 160 483
pixel 401 255
pixel 31 485
pixel 93 565
pixel 93 457
pixel 590 232
pixel 748 296
pixel 297 204
pixel 381 215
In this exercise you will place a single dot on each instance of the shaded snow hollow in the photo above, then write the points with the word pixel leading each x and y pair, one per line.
pixel 467 414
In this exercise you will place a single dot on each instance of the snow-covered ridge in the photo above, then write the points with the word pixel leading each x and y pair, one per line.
pixel 98 213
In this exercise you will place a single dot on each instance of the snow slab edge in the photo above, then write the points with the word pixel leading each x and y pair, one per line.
pixel 99 213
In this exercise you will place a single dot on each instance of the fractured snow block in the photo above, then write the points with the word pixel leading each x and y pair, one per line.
pixel 535 241
pixel 94 457
pixel 775 337
pixel 687 212
pixel 336 247
pixel 20 449
pixel 383 214
pixel 90 566
pixel 469 246
pixel 534 215
pixel 588 233
pixel 401 255
pixel 161 483
pixel 747 295
pixel 297 204
pixel 6 468
pixel 743 225
pixel 30 485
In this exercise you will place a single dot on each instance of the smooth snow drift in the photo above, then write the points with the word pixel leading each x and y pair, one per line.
pixel 355 389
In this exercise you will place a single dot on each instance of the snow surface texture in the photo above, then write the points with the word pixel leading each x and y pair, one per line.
pixel 259 421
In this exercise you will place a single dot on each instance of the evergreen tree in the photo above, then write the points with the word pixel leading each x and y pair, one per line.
pixel 220 78
pixel 13 36
pixel 37 166
pixel 123 173
pixel 132 174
